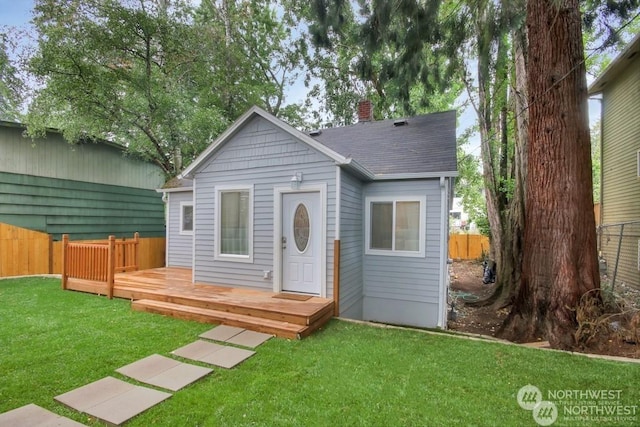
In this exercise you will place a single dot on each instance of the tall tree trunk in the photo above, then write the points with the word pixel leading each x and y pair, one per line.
pixel 508 271
pixel 560 262
pixel 492 107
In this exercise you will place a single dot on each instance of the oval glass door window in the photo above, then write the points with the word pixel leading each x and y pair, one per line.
pixel 301 227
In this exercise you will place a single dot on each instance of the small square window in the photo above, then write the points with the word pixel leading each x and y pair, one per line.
pixel 395 226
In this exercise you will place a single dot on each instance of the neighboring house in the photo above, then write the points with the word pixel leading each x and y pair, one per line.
pixel 460 222
pixel 87 190
pixel 358 213
pixel 619 85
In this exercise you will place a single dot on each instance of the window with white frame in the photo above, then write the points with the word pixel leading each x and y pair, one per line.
pixel 234 223
pixel 186 218
pixel 395 226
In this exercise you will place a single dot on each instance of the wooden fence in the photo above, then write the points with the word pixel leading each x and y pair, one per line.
pixel 468 246
pixel 26 252
pixel 23 252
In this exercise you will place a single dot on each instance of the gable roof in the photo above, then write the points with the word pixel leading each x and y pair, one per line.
pixel 418 145
pixel 426 145
pixel 617 66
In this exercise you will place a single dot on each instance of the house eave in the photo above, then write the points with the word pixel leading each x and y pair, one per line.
pixel 174 190
pixel 616 66
pixel 356 168
pixel 417 175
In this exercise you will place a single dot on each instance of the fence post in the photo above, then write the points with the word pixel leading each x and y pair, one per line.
pixel 111 265
pixel 615 270
pixel 136 250
pixel 65 242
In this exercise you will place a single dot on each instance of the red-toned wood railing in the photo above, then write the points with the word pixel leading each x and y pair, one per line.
pixel 98 261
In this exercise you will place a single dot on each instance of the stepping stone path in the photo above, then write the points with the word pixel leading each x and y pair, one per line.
pixel 164 372
pixel 115 401
pixel 238 336
pixel 111 400
pixel 34 416
pixel 214 354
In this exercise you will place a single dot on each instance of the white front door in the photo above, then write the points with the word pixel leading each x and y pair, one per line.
pixel 301 242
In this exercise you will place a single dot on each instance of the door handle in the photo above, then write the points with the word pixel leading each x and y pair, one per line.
pixel 284 242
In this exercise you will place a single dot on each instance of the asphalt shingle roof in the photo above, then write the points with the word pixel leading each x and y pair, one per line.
pixel 424 144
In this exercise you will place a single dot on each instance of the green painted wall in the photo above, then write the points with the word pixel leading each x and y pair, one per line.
pixel 81 209
pixel 53 157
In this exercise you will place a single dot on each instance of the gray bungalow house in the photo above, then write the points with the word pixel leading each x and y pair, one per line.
pixel 358 214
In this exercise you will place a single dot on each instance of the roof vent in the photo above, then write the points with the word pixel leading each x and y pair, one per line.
pixel 315 132
pixel 400 122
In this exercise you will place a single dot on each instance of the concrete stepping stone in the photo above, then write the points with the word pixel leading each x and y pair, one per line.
pixel 34 416
pixel 238 336
pixel 251 339
pixel 164 372
pixel 222 333
pixel 214 354
pixel 111 400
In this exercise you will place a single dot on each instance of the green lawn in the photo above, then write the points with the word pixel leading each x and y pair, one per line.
pixel 347 374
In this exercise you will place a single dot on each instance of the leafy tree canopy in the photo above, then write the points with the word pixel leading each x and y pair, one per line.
pixel 11 85
pixel 159 77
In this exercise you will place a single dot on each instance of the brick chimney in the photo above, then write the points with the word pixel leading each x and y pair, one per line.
pixel 365 111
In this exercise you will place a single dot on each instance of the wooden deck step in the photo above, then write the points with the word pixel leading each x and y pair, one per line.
pixel 269 326
pixel 293 312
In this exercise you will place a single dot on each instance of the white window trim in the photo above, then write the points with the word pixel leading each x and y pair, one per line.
pixel 421 230
pixel 231 257
pixel 184 232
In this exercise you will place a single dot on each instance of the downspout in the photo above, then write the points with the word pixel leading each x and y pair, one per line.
pixel 195 232
pixel 167 205
pixel 336 246
pixel 444 205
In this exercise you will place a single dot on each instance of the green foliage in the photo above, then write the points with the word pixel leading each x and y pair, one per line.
pixel 157 77
pixel 388 52
pixel 11 86
pixel 354 374
pixel 596 161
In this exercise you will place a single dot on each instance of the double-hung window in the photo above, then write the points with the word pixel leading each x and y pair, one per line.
pixel 395 226
pixel 186 218
pixel 234 223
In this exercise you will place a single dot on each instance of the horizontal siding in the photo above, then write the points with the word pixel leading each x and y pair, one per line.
pixel 410 279
pixel 620 184
pixel 53 157
pixel 266 157
pixel 628 272
pixel 180 246
pixel 351 246
pixel 82 210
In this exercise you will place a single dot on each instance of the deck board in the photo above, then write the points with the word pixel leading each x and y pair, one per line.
pixel 169 291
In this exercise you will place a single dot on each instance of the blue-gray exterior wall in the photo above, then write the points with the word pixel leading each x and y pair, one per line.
pixel 179 246
pixel 351 246
pixel 407 290
pixel 266 157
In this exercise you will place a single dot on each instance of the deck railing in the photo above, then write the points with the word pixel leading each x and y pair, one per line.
pixel 98 261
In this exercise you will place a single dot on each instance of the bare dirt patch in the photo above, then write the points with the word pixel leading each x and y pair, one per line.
pixel 616 334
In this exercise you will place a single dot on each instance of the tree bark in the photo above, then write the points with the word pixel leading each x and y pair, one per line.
pixel 560 259
pixel 509 268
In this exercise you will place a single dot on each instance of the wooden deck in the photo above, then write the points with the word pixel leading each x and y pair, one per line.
pixel 169 291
